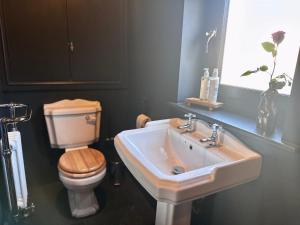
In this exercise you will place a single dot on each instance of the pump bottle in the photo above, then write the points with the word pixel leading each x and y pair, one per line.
pixel 214 87
pixel 204 87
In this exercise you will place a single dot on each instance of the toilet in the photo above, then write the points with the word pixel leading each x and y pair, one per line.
pixel 73 125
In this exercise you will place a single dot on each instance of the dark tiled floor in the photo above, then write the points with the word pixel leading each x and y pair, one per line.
pixel 127 204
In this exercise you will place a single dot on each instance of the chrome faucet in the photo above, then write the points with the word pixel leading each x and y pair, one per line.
pixel 209 36
pixel 189 125
pixel 214 139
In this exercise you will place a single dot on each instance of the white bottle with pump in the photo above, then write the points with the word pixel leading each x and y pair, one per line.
pixel 204 88
pixel 214 87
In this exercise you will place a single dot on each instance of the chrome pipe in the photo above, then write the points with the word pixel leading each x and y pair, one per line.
pixel 6 153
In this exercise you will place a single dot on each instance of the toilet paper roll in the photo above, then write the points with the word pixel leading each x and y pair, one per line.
pixel 141 120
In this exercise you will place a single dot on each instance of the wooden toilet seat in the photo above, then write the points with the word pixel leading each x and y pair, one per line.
pixel 81 163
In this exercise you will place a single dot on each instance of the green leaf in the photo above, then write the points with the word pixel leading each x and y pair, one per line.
pixel 263 68
pixel 249 72
pixel 268 46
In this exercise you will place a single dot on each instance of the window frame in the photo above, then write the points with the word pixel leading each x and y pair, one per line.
pixel 232 95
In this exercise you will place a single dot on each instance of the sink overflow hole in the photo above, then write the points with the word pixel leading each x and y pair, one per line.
pixel 178 170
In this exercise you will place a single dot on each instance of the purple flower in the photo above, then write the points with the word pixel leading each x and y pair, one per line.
pixel 278 37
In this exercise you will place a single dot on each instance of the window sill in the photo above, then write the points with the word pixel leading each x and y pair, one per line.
pixel 234 123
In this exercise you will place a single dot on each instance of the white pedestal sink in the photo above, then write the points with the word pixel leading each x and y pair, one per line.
pixel 151 154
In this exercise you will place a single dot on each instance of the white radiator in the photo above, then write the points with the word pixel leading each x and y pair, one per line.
pixel 18 168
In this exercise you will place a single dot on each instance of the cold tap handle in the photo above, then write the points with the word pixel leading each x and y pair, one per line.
pixel 216 127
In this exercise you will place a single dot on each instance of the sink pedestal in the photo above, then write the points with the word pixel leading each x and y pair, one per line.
pixel 169 214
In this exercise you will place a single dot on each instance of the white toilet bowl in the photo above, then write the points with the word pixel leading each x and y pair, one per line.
pixel 81 171
pixel 82 199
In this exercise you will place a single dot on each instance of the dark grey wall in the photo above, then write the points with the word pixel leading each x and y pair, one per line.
pixel 273 199
pixel 154 55
pixel 200 16
pixel 166 46
pixel 192 49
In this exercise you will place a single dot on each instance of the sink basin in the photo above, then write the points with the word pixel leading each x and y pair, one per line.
pixel 176 168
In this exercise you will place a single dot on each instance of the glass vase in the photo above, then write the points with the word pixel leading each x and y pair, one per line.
pixel 267 112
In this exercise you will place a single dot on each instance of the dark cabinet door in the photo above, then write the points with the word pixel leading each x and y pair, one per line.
pixel 35 41
pixel 97 30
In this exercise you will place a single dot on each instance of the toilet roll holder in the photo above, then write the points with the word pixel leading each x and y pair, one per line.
pixel 13 113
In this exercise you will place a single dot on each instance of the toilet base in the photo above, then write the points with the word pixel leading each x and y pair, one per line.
pixel 82 199
pixel 82 203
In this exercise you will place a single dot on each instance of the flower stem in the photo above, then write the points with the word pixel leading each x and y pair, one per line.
pixel 274 63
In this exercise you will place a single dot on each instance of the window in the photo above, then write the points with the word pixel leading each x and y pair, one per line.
pixel 251 22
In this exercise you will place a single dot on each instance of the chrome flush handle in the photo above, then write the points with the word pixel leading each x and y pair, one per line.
pixel 91 119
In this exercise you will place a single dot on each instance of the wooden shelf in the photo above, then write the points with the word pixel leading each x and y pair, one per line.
pixel 197 101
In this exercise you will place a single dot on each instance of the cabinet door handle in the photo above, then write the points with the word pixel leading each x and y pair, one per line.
pixel 71 46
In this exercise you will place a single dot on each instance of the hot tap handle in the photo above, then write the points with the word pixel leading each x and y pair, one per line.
pixel 189 116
